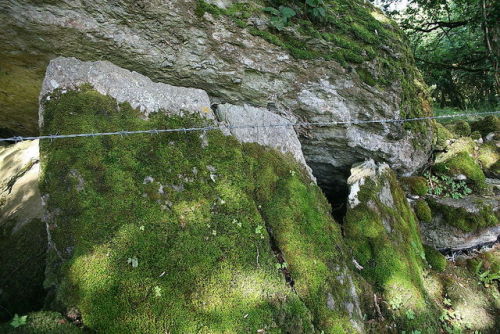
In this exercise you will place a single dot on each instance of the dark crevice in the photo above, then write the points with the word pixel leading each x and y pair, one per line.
pixel 281 259
pixel 337 193
pixel 469 252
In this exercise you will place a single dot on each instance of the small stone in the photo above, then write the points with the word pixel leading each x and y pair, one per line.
pixel 330 302
pixel 490 136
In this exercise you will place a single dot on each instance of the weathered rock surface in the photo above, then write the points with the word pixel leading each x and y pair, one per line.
pixel 167 42
pixel 23 240
pixel 124 86
pixel 282 138
pixel 477 214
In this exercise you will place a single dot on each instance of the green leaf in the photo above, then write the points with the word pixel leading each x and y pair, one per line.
pixel 287 12
pixel 18 321
pixel 272 10
pixel 278 22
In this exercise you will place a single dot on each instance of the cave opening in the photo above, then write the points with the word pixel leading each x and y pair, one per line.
pixel 336 191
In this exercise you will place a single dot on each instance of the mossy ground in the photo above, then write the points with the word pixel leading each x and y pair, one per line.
pixel 42 322
pixel 190 249
pixel 386 242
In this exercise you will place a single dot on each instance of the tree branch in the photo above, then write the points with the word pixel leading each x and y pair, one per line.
pixel 454 66
pixel 431 26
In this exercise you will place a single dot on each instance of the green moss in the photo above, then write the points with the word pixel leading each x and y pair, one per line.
pixel 205 249
pixel 442 135
pixel 486 125
pixel 423 211
pixel 416 185
pixel 463 163
pixel 203 7
pixel 463 220
pixel 476 135
pixel 385 240
pixel 488 157
pixel 362 222
pixel 436 260
pixel 42 322
pixel 367 77
pixel 462 128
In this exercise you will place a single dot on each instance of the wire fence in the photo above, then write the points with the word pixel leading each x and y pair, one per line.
pixel 246 126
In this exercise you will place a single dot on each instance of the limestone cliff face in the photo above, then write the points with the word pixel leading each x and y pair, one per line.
pixel 227 52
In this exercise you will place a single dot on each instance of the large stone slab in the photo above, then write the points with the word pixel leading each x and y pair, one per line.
pixel 125 86
pixel 268 129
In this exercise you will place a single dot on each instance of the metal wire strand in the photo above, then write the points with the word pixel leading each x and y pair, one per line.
pixel 245 126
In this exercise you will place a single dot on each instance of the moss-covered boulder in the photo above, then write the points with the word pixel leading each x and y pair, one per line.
pixel 442 136
pixel 489 158
pixel 383 232
pixel 461 128
pixel 423 211
pixel 486 125
pixel 435 259
pixel 459 159
pixel 182 233
pixel 354 64
pixel 23 239
pixel 462 223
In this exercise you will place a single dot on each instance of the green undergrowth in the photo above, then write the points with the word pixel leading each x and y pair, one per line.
pixel 161 233
pixel 463 163
pixel 42 322
pixel 386 242
pixel 463 220
pixel 350 33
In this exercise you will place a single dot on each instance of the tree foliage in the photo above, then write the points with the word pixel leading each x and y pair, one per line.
pixel 457 46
